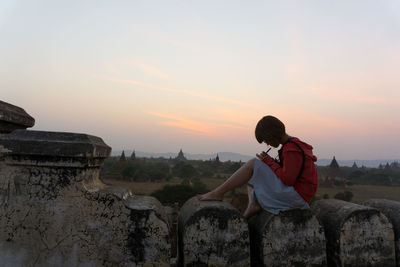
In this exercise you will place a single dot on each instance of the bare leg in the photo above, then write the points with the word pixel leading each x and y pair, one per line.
pixel 253 207
pixel 239 178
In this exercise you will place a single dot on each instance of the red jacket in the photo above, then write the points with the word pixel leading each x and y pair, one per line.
pixel 291 159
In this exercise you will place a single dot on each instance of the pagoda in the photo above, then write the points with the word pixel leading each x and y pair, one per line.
pixel 180 156
pixel 334 169
pixel 122 158
pixel 334 164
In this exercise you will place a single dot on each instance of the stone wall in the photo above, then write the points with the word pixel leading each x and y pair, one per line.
pixel 55 211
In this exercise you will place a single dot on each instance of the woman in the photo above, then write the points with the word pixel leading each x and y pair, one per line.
pixel 274 186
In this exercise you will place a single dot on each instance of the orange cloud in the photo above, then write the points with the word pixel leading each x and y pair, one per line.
pixel 198 127
pixel 183 123
pixel 178 91
pixel 238 117
pixel 151 70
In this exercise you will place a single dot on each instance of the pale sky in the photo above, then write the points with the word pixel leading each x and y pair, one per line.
pixel 158 76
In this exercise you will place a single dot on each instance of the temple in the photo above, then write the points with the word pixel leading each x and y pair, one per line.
pixel 180 156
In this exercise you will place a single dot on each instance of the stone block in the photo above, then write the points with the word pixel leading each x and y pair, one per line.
pixel 212 233
pixel 13 117
pixel 291 238
pixel 391 209
pixel 149 232
pixel 356 235
pixel 38 165
pixel 55 211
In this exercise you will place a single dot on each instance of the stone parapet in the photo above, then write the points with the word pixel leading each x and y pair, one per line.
pixel 39 165
pixel 391 209
pixel 356 235
pixel 85 226
pixel 58 149
pixel 212 233
pixel 55 211
pixel 13 117
pixel 291 238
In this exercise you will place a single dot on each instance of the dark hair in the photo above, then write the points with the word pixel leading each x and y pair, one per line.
pixel 269 128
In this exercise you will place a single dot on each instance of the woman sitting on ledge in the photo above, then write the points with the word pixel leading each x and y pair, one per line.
pixel 274 186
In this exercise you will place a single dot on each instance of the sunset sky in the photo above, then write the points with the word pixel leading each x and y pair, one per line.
pixel 158 76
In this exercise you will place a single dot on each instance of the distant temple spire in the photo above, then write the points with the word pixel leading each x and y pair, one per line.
pixel 334 164
pixel 354 165
pixel 133 155
pixel 180 156
pixel 334 169
pixel 122 158
pixel 217 158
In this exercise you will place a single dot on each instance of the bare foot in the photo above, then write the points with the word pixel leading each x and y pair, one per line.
pixel 210 196
pixel 252 209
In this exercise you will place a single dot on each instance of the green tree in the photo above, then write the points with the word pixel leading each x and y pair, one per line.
pixel 184 170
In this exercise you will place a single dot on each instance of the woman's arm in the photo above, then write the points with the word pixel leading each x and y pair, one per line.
pixel 292 162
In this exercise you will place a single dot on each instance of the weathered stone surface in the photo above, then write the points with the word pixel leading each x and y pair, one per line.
pixel 75 228
pixel 13 117
pixel 356 235
pixel 38 165
pixel 391 209
pixel 84 228
pixel 59 147
pixel 149 239
pixel 291 238
pixel 212 233
pixel 55 211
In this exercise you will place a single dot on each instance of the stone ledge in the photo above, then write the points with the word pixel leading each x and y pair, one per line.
pixel 23 145
pixel 13 117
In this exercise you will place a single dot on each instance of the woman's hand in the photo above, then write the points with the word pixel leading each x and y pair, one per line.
pixel 262 155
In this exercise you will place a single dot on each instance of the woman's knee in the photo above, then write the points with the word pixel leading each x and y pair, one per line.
pixel 251 161
pixel 250 164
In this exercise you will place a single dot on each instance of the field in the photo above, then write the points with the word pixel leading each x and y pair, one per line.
pixel 364 192
pixel 360 192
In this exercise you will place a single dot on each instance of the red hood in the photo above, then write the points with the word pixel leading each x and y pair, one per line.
pixel 306 147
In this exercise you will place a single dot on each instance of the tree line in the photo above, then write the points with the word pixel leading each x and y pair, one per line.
pixel 159 169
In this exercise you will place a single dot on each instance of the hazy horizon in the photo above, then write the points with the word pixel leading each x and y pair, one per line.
pixel 163 75
pixel 234 156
